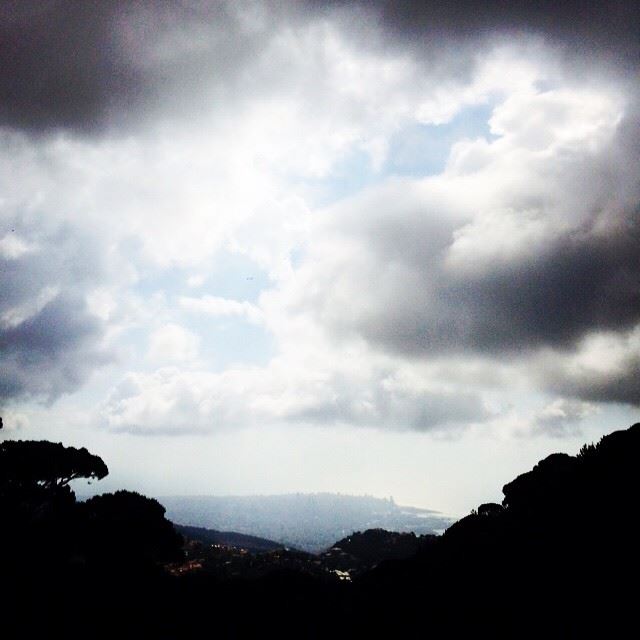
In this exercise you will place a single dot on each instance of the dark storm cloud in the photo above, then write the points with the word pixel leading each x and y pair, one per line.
pixel 578 285
pixel 58 64
pixel 575 282
pixel 609 25
pixel 92 65
pixel 51 353
pixel 88 66
pixel 618 383
pixel 620 386
pixel 49 340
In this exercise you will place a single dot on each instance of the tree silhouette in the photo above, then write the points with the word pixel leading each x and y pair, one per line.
pixel 125 525
pixel 50 466
pixel 490 509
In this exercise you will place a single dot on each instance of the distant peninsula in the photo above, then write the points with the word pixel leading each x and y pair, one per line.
pixel 310 522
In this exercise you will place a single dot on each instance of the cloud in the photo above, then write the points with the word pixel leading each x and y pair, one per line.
pixel 525 241
pixel 604 368
pixel 51 352
pixel 12 246
pixel 222 307
pixel 345 391
pixel 13 422
pixel 49 340
pixel 99 66
pixel 118 66
pixel 588 28
pixel 173 343
pixel 144 142
pixel 59 67
pixel 563 417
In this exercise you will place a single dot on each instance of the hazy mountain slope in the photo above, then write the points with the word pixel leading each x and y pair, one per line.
pixel 311 522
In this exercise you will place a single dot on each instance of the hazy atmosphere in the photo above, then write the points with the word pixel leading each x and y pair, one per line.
pixel 360 247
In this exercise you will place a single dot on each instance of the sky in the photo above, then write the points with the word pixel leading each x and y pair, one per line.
pixel 367 247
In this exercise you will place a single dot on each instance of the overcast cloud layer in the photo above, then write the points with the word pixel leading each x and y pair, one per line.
pixel 271 213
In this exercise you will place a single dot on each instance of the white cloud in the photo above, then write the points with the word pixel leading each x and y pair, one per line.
pixel 13 422
pixel 172 343
pixel 563 416
pixel 196 280
pixel 222 307
pixel 12 247
pixel 346 387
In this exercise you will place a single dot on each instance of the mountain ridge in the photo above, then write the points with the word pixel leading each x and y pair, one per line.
pixel 310 522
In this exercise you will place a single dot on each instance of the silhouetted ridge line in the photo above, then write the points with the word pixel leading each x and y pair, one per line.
pixel 556 559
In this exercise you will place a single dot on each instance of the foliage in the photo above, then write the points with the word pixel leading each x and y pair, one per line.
pixel 48 465
pixel 126 524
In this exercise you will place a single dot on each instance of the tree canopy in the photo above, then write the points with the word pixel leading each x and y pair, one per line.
pixel 127 524
pixel 28 464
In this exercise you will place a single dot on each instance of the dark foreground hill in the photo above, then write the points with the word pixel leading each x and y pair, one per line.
pixel 538 565
pixel 228 539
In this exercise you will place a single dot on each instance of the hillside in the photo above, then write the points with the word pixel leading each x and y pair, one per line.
pixel 311 522
pixel 536 566
pixel 227 538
